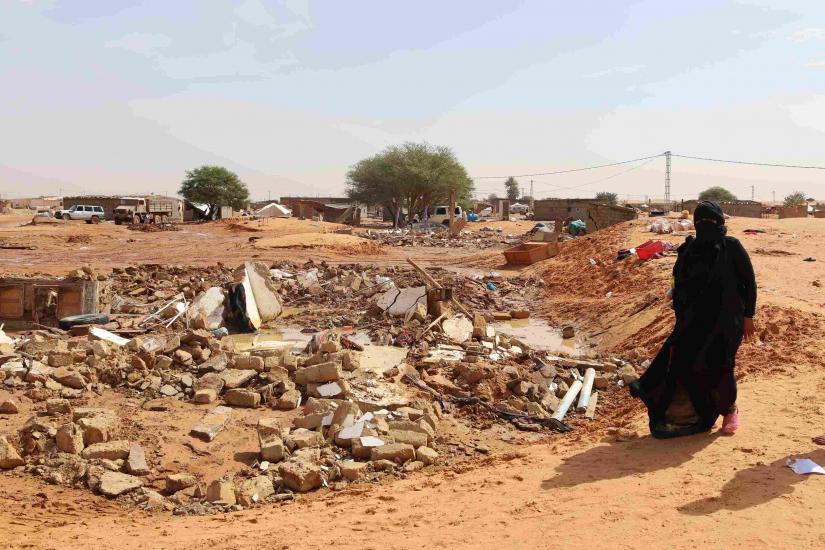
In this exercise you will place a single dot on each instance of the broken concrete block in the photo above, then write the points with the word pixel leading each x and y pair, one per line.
pixel 136 461
pixel 111 450
pixel 416 439
pixel 58 406
pixel 325 372
pixel 352 470
pixel 272 447
pixel 205 395
pixel 179 482
pixel 100 349
pixel 8 405
pixel 113 484
pixel 235 378
pixel 309 421
pixel 628 374
pixel 60 359
pixel 520 314
pixel 426 455
pixel 479 326
pixel 221 491
pixel 212 423
pixel 289 362
pixel 397 302
pixel 207 309
pixel 69 439
pixel 301 475
pixel 9 457
pixel 163 362
pixel 69 377
pixel 350 361
pixel 601 382
pixel 39 372
pixel 397 452
pixel 256 489
pixel 266 295
pixel 98 428
pixel 248 362
pixel 458 329
pixel 243 398
pixel 291 399
pixel 182 357
pixel 302 438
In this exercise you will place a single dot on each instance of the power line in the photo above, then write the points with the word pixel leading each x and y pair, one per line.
pixel 571 170
pixel 557 188
pixel 751 163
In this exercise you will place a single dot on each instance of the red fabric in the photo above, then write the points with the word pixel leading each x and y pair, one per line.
pixel 649 249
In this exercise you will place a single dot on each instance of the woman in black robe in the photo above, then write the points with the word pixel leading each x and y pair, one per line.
pixel 691 382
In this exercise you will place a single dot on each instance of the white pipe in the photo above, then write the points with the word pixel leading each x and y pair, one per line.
pixel 587 389
pixel 568 399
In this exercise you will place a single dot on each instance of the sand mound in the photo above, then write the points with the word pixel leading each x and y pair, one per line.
pixel 331 241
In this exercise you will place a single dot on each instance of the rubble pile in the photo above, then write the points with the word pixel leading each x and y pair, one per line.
pixel 153 227
pixel 325 418
pixel 438 237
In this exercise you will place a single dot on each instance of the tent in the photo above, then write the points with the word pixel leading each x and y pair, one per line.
pixel 274 210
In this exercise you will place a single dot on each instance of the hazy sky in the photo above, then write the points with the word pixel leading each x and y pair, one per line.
pixel 123 96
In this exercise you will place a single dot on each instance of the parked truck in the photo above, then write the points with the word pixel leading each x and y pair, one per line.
pixel 149 210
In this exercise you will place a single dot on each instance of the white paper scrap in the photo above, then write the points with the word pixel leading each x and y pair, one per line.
pixel 804 466
pixel 351 432
pixel 371 441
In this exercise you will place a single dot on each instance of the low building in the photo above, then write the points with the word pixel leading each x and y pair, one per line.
pixel 330 209
pixel 800 211
pixel 38 203
pixel 595 215
pixel 742 209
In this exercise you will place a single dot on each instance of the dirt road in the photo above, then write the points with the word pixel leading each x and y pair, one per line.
pixel 706 490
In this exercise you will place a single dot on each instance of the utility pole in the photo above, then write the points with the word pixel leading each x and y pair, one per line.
pixel 667 180
pixel 532 198
pixel 774 196
pixel 752 191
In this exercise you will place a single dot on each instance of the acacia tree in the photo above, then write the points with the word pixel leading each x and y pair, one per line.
pixel 413 176
pixel 214 186
pixel 511 188
pixel 795 199
pixel 607 197
pixel 717 194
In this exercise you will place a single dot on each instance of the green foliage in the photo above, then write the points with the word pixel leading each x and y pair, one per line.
pixel 214 186
pixel 607 197
pixel 411 176
pixel 795 199
pixel 511 188
pixel 716 194
pixel 492 198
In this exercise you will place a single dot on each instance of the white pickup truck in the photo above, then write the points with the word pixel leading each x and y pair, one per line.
pixel 86 212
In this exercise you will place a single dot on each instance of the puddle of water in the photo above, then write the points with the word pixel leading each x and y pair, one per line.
pixel 539 335
pixel 380 358
pixel 271 338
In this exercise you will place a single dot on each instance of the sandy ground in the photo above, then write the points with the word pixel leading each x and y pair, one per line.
pixel 704 490
pixel 64 246
pixel 591 488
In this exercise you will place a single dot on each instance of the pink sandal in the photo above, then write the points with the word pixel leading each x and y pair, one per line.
pixel 730 423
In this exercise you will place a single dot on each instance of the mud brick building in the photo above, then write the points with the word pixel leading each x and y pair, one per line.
pixel 595 215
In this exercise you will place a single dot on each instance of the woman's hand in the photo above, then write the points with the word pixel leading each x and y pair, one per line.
pixel 749 329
